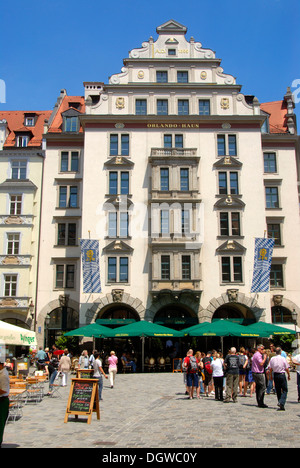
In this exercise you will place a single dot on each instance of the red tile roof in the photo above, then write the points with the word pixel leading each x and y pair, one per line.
pixel 277 119
pixel 15 123
pixel 56 124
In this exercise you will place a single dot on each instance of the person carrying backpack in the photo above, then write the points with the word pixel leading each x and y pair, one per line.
pixel 191 365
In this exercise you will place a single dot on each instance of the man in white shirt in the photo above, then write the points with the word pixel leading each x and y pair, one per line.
pixel 296 361
pixel 279 367
pixel 4 400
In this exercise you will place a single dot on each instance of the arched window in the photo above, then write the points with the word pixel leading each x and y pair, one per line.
pixel 281 315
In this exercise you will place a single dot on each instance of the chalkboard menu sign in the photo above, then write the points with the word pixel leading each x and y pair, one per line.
pixel 85 373
pixel 83 399
pixel 177 365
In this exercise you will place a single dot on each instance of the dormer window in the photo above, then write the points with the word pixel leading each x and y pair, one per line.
pixel 22 141
pixel 29 121
pixel 71 124
pixel 71 120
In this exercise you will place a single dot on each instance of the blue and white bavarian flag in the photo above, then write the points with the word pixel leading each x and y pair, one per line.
pixel 90 265
pixel 262 264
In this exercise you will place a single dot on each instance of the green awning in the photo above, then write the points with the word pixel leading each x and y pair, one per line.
pixel 221 328
pixel 93 329
pixel 146 329
pixel 268 329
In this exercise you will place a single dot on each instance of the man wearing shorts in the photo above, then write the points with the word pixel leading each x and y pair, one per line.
pixel 191 364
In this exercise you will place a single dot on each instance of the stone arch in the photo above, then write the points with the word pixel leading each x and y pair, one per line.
pixel 185 300
pixel 231 297
pixel 116 296
pixel 52 305
pixel 27 320
pixel 287 303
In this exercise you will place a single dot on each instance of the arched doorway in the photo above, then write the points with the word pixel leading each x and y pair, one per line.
pixel 236 312
pixel 116 313
pixel 176 316
pixel 60 320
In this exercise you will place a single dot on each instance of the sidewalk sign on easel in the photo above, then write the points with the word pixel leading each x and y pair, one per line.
pixel 83 399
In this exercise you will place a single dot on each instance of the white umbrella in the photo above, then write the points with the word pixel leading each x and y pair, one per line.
pixel 12 335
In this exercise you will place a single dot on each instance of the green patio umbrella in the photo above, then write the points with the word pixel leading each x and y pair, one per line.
pixel 143 329
pixel 91 330
pixel 267 329
pixel 221 328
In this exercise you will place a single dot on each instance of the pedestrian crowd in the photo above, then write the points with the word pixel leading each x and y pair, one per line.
pixel 259 370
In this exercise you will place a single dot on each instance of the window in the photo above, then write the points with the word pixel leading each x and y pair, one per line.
pixel 162 106
pixel 68 197
pixel 184 179
pixel 229 224
pixel 171 52
pixel 10 285
pixel 165 222
pixel 29 121
pixel 270 162
pixel 161 76
pixel 13 243
pixel 65 276
pixel 66 234
pixel 274 232
pixel 185 222
pixel 19 170
pixel 69 161
pixel 182 77
pixel 186 267
pixel 141 107
pixel 165 267
pixel 118 224
pixel 204 107
pixel 22 141
pixel 221 145
pixel 232 183
pixel 276 276
pixel 15 205
pixel 224 142
pixel 118 270
pixel 183 107
pixel 118 183
pixel 232 269
pixel 173 142
pixel 123 270
pixel 232 145
pixel 272 199
pixel 164 179
pixel 71 124
pixel 119 145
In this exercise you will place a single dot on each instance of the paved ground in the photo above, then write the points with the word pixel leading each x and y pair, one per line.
pixel 152 411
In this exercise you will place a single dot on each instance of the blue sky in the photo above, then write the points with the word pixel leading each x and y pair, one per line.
pixel 47 46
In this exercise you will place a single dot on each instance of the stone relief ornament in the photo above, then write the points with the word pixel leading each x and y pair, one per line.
pixel 117 295
pixel 225 103
pixel 120 103
pixel 203 75
pixel 232 295
pixel 141 75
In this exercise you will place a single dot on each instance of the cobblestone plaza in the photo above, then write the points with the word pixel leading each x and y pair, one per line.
pixel 152 411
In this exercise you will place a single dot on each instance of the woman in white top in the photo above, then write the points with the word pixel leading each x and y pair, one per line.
pixel 218 375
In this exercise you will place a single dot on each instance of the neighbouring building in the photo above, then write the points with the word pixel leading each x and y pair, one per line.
pixel 21 178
